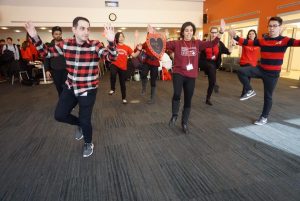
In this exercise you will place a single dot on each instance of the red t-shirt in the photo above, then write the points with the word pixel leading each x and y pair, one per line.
pixel 249 55
pixel 124 52
pixel 186 52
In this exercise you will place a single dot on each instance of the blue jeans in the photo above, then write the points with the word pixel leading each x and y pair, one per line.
pixel 269 79
pixel 67 101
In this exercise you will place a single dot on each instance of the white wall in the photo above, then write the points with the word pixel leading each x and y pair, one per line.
pixel 131 13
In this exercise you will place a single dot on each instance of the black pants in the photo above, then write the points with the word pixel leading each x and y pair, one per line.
pixel 67 101
pixel 242 66
pixel 153 73
pixel 188 85
pixel 269 80
pixel 114 70
pixel 59 78
pixel 210 69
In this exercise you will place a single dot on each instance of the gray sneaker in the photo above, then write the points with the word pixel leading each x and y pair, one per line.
pixel 261 121
pixel 88 149
pixel 248 95
pixel 78 133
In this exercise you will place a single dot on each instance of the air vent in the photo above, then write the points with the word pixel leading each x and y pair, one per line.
pixel 112 3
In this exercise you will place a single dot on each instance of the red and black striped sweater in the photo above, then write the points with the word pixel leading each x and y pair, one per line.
pixel 272 50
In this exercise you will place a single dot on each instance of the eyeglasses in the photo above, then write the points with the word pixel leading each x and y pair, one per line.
pixel 213 32
pixel 273 26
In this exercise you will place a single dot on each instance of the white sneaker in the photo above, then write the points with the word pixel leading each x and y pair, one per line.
pixel 124 101
pixel 261 121
pixel 111 92
pixel 248 95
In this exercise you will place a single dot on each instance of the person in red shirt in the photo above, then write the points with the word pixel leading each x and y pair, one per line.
pixel 120 65
pixel 272 49
pixel 250 55
pixel 185 70
pixel 151 63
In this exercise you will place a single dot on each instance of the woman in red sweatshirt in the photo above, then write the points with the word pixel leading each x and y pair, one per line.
pixel 120 65
pixel 250 55
pixel 185 70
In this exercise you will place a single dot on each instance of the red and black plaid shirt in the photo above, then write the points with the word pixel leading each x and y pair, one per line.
pixel 82 61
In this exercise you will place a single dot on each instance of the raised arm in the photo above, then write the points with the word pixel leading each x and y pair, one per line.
pixel 110 53
pixel 207 44
pixel 242 41
pixel 42 49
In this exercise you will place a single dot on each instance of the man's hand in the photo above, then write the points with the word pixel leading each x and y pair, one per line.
pixel 31 29
pixel 232 33
pixel 150 29
pixel 48 75
pixel 139 46
pixel 109 32
pixel 222 26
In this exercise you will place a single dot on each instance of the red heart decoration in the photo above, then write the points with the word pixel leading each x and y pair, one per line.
pixel 157 44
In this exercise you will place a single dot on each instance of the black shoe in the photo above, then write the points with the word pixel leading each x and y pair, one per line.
pixel 173 120
pixel 185 128
pixel 208 102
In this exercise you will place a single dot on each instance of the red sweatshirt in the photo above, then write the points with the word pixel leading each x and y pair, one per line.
pixel 186 52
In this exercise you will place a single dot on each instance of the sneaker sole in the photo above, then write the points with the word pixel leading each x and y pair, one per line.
pixel 79 138
pixel 242 99
pixel 260 124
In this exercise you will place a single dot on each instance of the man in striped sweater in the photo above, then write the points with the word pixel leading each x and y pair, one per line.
pixel 273 48
pixel 82 56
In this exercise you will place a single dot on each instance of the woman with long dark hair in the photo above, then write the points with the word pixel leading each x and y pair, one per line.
pixel 120 65
pixel 185 70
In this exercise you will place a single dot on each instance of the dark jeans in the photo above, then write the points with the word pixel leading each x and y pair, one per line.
pixel 114 70
pixel 153 73
pixel 269 80
pixel 188 85
pixel 67 101
pixel 242 66
pixel 59 78
pixel 210 69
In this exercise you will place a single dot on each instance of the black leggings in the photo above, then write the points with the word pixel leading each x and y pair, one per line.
pixel 188 85
pixel 210 68
pixel 153 73
pixel 114 70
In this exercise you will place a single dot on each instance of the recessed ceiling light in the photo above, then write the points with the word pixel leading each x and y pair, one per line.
pixel 123 28
pixel 4 28
pixel 119 30
pixel 49 30
pixel 158 28
pixel 18 31
pixel 43 28
pixel 177 31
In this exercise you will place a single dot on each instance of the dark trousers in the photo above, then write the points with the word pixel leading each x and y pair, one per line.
pixel 59 78
pixel 188 85
pixel 153 73
pixel 114 70
pixel 67 101
pixel 210 69
pixel 269 80
pixel 242 66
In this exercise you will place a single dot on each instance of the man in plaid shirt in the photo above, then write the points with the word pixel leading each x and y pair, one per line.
pixel 82 56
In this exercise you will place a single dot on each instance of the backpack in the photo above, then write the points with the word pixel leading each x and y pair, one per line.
pixel 8 55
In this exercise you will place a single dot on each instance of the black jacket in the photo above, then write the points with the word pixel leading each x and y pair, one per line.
pixel 55 63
